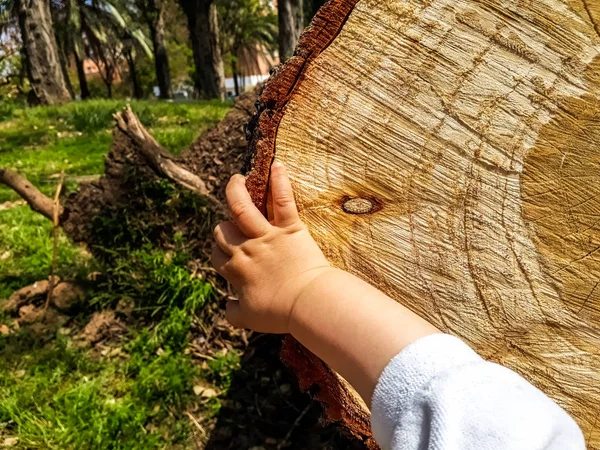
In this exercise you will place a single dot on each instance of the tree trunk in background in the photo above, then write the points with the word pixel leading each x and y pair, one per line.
pixel 39 44
pixel 108 84
pixel 156 23
pixel 291 24
pixel 65 72
pixel 235 74
pixel 83 85
pixel 448 153
pixel 135 81
pixel 204 33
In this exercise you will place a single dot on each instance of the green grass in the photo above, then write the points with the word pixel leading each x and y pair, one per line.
pixel 54 395
pixel 41 142
pixel 26 251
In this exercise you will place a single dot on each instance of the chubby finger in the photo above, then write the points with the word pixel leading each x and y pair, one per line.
pixel 219 261
pixel 228 237
pixel 285 211
pixel 233 314
pixel 244 213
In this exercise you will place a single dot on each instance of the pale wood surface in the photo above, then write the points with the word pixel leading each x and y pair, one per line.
pixel 473 127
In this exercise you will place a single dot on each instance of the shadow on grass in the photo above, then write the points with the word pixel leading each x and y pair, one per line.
pixel 265 410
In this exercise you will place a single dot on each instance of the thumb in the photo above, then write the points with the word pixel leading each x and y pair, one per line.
pixel 233 314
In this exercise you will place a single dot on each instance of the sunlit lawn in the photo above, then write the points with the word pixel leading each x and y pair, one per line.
pixel 53 394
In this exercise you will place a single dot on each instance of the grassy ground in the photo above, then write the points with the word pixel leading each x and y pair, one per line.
pixel 140 390
pixel 43 141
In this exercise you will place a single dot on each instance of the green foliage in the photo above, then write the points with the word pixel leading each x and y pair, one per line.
pixel 156 280
pixel 181 60
pixel 221 368
pixel 246 25
pixel 26 251
pixel 103 30
pixel 95 115
pixel 55 396
pixel 173 330
pixel 167 379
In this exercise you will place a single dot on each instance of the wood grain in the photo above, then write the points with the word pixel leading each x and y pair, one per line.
pixel 475 128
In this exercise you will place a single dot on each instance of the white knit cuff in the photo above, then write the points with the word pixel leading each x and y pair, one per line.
pixel 410 371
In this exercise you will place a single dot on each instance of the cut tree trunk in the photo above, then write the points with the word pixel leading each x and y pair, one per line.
pixel 291 23
pixel 204 34
pixel 39 44
pixel 469 131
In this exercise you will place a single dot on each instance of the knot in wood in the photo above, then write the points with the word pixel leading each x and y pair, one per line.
pixel 358 205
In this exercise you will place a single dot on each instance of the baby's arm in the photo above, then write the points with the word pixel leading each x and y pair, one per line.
pixel 285 285
pixel 436 393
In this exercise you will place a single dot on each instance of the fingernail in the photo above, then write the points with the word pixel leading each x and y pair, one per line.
pixel 278 164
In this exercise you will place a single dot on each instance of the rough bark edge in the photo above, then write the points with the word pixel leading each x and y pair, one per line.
pixel 339 403
pixel 280 88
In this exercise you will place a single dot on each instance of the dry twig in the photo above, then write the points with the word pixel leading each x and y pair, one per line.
pixel 196 423
pixel 55 225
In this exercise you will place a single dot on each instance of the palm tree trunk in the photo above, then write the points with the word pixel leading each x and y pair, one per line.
pixel 204 33
pixel 83 85
pixel 135 82
pixel 40 48
pixel 291 24
pixel 235 77
pixel 161 57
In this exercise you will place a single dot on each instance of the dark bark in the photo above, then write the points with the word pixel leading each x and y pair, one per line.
pixel 133 75
pixel 156 22
pixel 234 71
pixel 39 44
pixel 291 24
pixel 204 34
pixel 83 85
pixel 108 84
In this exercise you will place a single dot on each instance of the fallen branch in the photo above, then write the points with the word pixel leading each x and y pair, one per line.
pixel 37 201
pixel 158 158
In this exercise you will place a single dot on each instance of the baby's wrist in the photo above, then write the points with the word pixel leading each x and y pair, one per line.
pixel 305 298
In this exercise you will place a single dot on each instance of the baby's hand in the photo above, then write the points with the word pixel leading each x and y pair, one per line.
pixel 268 264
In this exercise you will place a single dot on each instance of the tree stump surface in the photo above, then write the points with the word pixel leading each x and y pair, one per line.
pixel 448 153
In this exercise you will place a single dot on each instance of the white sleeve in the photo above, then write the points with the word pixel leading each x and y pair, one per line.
pixel 439 394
